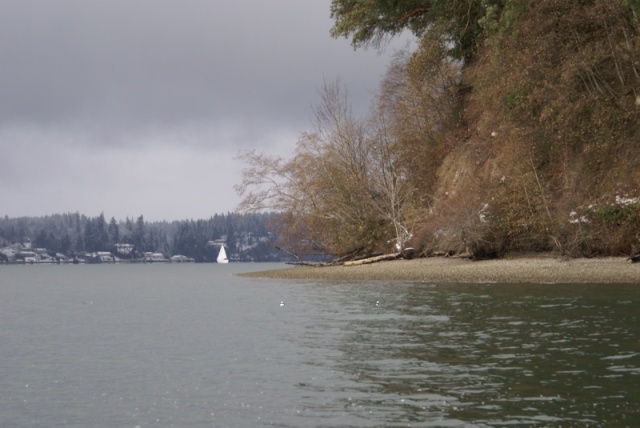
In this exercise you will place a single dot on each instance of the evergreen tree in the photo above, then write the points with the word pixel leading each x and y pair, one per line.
pixel 114 232
pixel 139 234
pixel 102 233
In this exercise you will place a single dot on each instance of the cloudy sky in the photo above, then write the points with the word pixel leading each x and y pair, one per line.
pixel 140 107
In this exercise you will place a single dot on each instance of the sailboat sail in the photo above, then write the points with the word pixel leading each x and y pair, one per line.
pixel 222 255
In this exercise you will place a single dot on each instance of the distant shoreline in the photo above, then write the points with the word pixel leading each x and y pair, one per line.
pixel 517 270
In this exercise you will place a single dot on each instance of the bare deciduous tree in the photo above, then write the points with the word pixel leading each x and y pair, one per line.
pixel 344 191
pixel 324 188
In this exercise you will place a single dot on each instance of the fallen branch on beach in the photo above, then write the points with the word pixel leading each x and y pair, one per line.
pixel 392 256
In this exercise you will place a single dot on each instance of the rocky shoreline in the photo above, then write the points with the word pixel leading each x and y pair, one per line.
pixel 532 270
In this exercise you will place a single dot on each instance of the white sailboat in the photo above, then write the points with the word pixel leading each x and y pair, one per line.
pixel 222 255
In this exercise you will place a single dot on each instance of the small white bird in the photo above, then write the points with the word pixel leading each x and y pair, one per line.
pixel 281 303
pixel 377 302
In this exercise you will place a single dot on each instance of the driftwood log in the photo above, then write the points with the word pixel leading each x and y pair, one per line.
pixel 370 260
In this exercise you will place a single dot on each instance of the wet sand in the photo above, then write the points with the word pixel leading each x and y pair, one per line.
pixel 538 269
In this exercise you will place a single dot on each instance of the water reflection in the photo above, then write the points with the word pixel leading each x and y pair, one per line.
pixel 484 355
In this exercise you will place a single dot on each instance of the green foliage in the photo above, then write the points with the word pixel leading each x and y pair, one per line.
pixel 372 22
pixel 490 20
pixel 501 15
pixel 610 227
pixel 515 100
pixel 635 4
pixel 616 215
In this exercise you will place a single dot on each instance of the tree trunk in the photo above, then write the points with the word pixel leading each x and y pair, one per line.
pixel 392 256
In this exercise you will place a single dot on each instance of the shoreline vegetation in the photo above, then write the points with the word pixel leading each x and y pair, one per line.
pixel 529 269
pixel 509 126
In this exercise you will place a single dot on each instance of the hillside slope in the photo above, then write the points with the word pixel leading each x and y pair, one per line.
pixel 547 154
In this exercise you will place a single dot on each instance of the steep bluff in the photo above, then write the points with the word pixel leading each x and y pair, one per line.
pixel 547 154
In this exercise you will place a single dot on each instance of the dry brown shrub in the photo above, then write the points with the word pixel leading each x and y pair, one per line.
pixel 520 216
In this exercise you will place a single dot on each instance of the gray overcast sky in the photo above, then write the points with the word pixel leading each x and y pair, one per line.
pixel 139 107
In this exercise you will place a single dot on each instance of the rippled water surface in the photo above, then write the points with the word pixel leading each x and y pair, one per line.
pixel 196 346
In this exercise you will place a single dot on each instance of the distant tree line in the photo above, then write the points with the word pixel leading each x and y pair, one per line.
pixel 245 236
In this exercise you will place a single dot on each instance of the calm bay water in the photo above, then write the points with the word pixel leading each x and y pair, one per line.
pixel 196 346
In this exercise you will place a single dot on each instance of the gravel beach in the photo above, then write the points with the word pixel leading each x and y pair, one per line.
pixel 537 269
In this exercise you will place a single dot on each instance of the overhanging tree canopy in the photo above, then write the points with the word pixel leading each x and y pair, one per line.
pixel 373 22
